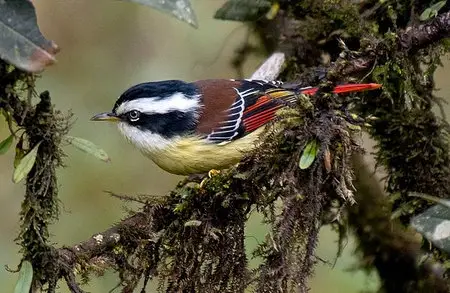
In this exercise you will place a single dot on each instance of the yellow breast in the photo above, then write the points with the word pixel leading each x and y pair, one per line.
pixel 193 155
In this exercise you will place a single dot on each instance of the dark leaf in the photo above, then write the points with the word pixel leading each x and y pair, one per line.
pixel 243 10
pixel 19 152
pixel 21 42
pixel 434 224
pixel 23 284
pixel 181 9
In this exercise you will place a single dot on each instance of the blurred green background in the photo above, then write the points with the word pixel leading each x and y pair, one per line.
pixel 108 46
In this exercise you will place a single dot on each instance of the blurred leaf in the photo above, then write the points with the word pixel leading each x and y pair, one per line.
pixel 309 154
pixel 432 11
pixel 88 147
pixel 26 164
pixel 23 284
pixel 181 9
pixel 243 10
pixel 21 42
pixel 444 202
pixel 434 224
pixel 193 223
pixel 6 144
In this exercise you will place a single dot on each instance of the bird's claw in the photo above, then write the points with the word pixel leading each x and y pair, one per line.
pixel 213 172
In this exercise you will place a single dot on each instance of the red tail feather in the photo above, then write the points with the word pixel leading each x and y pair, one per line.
pixel 347 88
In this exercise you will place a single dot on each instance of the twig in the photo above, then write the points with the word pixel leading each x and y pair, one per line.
pixel 271 68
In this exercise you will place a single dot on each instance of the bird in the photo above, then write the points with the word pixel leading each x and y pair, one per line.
pixel 189 128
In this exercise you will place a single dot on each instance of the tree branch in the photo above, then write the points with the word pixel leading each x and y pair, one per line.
pixel 410 40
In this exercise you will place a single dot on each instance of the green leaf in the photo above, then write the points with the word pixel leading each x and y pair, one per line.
pixel 432 11
pixel 6 144
pixel 243 10
pixel 23 284
pixel 88 147
pixel 26 164
pixel 434 224
pixel 309 154
pixel 426 14
pixel 444 202
pixel 21 42
pixel 181 9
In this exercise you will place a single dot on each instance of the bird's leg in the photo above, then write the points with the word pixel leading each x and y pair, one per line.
pixel 211 173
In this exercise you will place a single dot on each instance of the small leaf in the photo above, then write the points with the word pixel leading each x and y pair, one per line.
pixel 6 144
pixel 444 202
pixel 243 10
pixel 426 14
pixel 192 223
pixel 434 224
pixel 432 11
pixel 23 284
pixel 21 42
pixel 438 6
pixel 88 147
pixel 26 164
pixel 181 9
pixel 309 154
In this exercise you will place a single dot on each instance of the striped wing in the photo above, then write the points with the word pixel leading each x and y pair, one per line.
pixel 234 108
pixel 255 104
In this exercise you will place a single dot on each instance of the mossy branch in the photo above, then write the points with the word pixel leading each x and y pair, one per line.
pixel 408 41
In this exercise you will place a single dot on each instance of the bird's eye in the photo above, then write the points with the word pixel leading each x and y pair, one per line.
pixel 134 115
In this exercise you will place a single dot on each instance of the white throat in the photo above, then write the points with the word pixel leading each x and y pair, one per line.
pixel 146 141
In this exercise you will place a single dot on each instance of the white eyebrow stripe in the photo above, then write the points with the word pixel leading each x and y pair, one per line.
pixel 154 105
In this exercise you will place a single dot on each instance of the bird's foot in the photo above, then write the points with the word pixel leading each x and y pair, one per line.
pixel 213 172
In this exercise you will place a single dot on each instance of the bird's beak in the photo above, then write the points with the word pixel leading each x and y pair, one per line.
pixel 107 116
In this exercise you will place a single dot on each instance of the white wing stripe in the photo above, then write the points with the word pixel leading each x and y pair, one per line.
pixel 237 105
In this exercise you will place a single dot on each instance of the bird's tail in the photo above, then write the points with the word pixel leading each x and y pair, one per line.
pixel 263 110
pixel 345 88
pixel 289 94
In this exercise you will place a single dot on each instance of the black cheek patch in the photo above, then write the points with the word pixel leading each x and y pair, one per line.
pixel 168 125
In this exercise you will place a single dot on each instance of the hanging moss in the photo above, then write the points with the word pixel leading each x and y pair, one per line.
pixel 37 124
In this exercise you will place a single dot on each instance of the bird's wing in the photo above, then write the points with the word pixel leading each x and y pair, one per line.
pixel 233 108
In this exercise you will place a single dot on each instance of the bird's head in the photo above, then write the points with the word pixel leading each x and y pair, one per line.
pixel 152 115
